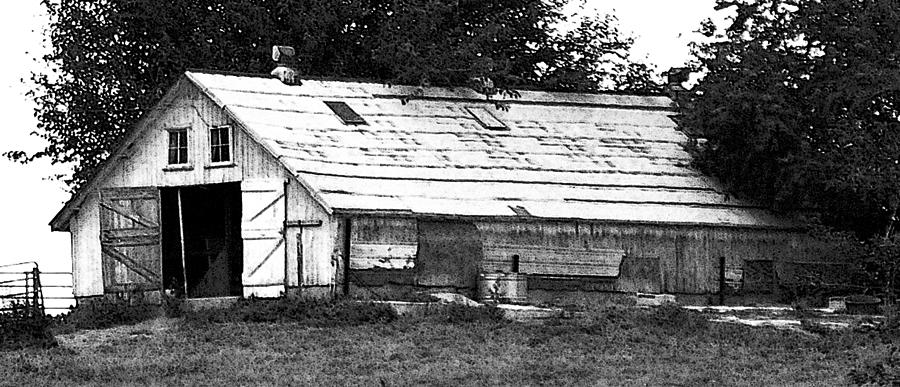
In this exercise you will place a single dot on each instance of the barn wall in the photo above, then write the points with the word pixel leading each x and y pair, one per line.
pixel 383 253
pixel 87 267
pixel 313 245
pixel 657 258
pixel 396 254
pixel 144 163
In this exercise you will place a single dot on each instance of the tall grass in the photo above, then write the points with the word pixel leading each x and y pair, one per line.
pixel 20 328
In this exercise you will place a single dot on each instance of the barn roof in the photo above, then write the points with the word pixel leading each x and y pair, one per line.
pixel 451 152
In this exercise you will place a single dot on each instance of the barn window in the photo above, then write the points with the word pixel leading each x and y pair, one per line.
pixel 345 113
pixel 486 119
pixel 220 144
pixel 178 146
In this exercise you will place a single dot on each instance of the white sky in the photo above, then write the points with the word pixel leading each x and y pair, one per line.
pixel 662 30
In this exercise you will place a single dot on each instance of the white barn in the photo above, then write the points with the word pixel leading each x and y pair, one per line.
pixel 240 185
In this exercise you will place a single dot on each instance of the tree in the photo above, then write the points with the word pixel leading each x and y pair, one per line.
pixel 800 107
pixel 111 60
pixel 800 110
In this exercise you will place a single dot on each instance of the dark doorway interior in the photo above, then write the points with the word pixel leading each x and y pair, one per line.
pixel 212 240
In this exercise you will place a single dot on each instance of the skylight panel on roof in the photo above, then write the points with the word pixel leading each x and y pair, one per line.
pixel 486 119
pixel 345 113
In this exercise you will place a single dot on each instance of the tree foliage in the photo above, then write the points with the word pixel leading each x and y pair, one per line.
pixel 111 60
pixel 800 107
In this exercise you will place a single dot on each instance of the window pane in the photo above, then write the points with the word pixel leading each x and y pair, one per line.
pixel 220 148
pixel 178 146
pixel 214 138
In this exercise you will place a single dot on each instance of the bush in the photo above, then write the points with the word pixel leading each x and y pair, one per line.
pixel 104 313
pixel 20 329
pixel 313 312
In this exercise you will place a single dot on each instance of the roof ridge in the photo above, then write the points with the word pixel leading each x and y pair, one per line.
pixel 386 83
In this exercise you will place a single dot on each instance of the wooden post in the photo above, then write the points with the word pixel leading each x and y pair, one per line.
pixel 38 302
pixel 285 239
pixel 347 224
pixel 181 238
pixel 299 261
pixel 721 280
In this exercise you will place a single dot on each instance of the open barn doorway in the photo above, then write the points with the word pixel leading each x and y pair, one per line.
pixel 211 240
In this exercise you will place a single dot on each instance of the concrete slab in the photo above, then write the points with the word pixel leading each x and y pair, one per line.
pixel 648 299
pixel 524 313
pixel 455 298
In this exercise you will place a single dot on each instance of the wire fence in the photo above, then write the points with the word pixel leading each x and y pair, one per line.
pixel 24 285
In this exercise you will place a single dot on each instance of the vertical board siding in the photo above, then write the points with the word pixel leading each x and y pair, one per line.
pixel 309 261
pixel 658 258
pixel 87 265
pixel 449 254
pixel 145 161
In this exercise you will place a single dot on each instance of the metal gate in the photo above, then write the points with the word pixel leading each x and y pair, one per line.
pixel 21 288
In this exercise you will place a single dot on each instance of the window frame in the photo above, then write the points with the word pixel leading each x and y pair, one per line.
pixel 230 146
pixel 345 113
pixel 188 141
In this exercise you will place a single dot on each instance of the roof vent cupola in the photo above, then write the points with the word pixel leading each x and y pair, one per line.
pixel 285 59
pixel 676 77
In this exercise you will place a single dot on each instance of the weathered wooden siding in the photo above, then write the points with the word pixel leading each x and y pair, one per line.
pixel 144 163
pixel 383 243
pixel 657 258
pixel 313 245
pixel 380 251
pixel 449 252
pixel 87 265
pixel 687 257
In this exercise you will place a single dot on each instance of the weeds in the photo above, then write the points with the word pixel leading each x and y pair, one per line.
pixel 20 329
pixel 313 312
pixel 455 313
pixel 884 370
pixel 103 313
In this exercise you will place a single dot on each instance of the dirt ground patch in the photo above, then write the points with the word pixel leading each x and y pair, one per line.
pixel 87 339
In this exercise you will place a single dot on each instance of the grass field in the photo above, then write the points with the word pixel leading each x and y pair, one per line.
pixel 611 347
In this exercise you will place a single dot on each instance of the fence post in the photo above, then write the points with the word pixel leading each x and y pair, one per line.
pixel 25 296
pixel 38 302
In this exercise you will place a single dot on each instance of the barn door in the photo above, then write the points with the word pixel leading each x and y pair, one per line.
pixel 129 239
pixel 262 227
